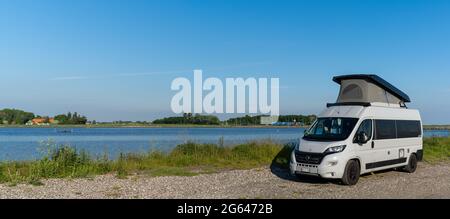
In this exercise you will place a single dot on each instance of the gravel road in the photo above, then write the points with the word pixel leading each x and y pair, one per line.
pixel 430 181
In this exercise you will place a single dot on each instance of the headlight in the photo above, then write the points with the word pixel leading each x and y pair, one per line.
pixel 335 149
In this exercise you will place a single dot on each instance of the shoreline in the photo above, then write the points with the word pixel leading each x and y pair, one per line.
pixel 425 127
pixel 150 126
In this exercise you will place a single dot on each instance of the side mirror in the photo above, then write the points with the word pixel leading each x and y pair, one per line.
pixel 362 138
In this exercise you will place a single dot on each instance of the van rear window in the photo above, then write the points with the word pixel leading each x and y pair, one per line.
pixel 408 129
pixel 391 129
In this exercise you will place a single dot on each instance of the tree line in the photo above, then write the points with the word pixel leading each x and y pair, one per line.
pixel 256 120
pixel 198 119
pixel 20 117
pixel 15 117
pixel 306 120
pixel 71 119
pixel 188 118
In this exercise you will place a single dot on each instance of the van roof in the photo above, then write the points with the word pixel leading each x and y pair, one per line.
pixel 375 79
pixel 375 112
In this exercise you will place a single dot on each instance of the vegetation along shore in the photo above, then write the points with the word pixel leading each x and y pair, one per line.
pixel 150 125
pixel 19 118
pixel 185 160
pixel 14 118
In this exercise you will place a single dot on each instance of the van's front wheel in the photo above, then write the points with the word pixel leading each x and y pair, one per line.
pixel 351 173
pixel 412 164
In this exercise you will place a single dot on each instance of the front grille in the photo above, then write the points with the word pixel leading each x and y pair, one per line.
pixel 308 158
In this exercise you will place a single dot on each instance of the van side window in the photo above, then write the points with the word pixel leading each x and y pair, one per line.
pixel 408 129
pixel 366 126
pixel 385 129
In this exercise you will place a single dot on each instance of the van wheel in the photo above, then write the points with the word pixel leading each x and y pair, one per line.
pixel 351 173
pixel 412 164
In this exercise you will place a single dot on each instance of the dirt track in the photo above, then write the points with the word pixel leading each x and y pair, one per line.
pixel 430 181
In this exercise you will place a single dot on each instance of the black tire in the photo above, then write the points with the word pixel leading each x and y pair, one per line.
pixel 412 164
pixel 307 178
pixel 300 176
pixel 351 173
pixel 304 176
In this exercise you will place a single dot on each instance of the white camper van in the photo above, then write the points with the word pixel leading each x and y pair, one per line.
pixel 368 129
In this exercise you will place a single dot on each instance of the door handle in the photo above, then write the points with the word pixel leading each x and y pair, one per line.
pixel 373 144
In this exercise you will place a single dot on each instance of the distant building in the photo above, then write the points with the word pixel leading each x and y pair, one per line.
pixel 42 121
pixel 39 121
pixel 269 120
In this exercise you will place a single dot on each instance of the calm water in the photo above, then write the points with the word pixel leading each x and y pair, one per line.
pixel 29 143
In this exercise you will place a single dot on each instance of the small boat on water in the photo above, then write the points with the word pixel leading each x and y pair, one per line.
pixel 64 131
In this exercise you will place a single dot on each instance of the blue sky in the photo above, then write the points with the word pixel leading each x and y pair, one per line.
pixel 116 59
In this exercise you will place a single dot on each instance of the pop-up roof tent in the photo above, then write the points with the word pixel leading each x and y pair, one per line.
pixel 368 90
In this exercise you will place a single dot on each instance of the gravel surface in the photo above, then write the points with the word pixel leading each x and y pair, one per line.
pixel 430 181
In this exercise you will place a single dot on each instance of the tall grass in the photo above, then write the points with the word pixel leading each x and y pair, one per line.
pixel 436 149
pixel 185 160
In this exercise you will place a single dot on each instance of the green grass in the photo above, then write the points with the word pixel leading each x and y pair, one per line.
pixel 436 150
pixel 185 160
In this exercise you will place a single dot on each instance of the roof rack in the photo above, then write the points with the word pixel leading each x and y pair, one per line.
pixel 349 104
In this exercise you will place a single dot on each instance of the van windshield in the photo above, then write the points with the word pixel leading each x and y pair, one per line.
pixel 331 129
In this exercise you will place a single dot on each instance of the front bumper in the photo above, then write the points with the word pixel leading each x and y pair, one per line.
pixel 331 166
